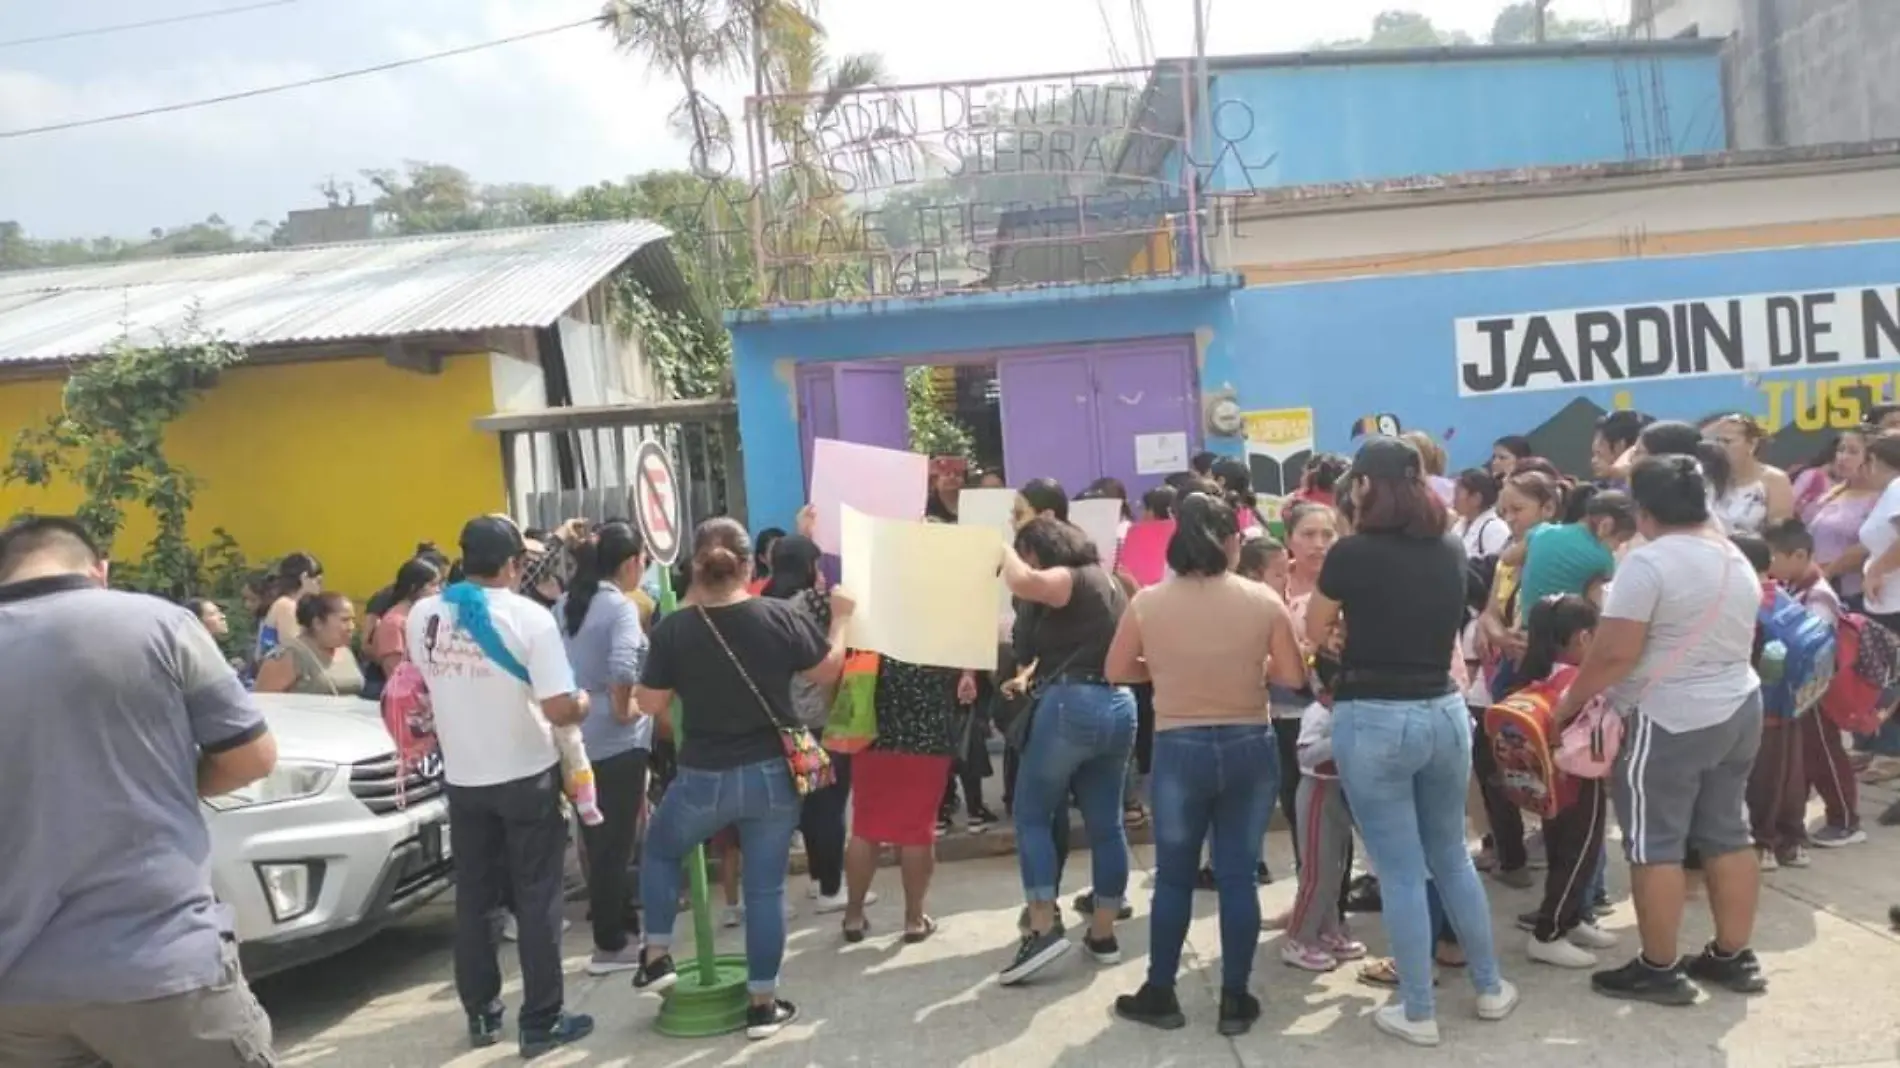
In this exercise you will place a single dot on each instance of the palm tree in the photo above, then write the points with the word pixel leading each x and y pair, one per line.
pixel 698 41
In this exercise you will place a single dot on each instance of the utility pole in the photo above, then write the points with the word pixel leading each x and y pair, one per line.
pixel 1540 11
pixel 1202 139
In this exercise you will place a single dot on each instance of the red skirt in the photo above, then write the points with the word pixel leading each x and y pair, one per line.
pixel 895 796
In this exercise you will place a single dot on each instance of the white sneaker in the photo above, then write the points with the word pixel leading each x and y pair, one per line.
pixel 733 916
pixel 1768 861
pixel 811 891
pixel 1391 1019
pixel 1590 936
pixel 837 901
pixel 1499 1005
pixel 1560 953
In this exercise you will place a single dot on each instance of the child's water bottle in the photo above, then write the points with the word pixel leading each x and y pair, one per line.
pixel 1774 663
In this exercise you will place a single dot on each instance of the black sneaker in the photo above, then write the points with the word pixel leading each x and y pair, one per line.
pixel 945 823
pixel 1740 973
pixel 655 976
pixel 1238 1011
pixel 1034 953
pixel 1891 816
pixel 1261 875
pixel 1106 951
pixel 1640 980
pixel 1153 1005
pixel 981 819
pixel 484 1029
pixel 566 1029
pixel 1205 880
pixel 1084 904
pixel 1516 878
pixel 764 1021
pixel 1362 895
pixel 1527 921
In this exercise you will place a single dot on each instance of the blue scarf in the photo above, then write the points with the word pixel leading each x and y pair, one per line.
pixel 471 615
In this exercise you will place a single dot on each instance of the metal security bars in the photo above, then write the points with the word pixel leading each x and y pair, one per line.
pixel 566 463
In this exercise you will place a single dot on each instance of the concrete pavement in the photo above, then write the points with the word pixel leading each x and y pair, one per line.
pixel 1833 964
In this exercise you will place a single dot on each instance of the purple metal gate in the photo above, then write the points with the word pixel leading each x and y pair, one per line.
pixel 1073 413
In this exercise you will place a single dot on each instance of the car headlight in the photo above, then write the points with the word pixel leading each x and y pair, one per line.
pixel 292 780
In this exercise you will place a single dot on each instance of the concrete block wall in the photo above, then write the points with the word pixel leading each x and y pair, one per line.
pixel 1808 72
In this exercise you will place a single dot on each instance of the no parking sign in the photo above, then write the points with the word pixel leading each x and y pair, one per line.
pixel 656 505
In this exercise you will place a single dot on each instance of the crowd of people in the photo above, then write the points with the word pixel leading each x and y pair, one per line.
pixel 1342 660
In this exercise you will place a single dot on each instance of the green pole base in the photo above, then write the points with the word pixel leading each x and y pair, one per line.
pixel 696 1009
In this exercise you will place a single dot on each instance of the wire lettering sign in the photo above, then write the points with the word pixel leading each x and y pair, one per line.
pixel 916 189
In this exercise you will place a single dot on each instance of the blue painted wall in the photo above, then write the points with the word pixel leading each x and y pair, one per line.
pixel 1300 125
pixel 764 353
pixel 1346 349
pixel 1376 345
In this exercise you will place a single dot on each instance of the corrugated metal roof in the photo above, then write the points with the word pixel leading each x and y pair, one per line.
pixel 439 283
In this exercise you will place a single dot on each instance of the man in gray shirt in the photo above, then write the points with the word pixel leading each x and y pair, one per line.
pixel 118 714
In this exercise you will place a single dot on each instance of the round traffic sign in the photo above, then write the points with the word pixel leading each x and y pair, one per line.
pixel 656 502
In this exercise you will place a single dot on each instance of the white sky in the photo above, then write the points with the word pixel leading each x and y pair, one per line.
pixel 564 110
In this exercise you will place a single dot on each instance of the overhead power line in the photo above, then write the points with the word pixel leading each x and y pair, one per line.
pixel 121 27
pixel 322 79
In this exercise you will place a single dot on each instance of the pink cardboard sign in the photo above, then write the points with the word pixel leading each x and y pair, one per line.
pixel 1145 550
pixel 885 483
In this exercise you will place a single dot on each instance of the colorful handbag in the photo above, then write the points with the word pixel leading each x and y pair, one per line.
pixel 806 760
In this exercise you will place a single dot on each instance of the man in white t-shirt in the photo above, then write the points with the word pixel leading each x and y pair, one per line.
pixel 499 681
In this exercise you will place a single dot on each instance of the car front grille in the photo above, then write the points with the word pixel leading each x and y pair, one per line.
pixel 376 784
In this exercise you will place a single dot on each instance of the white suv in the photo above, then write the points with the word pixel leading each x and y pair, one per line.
pixel 332 846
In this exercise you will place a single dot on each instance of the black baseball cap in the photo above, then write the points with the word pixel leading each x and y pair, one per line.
pixel 1387 457
pixel 491 540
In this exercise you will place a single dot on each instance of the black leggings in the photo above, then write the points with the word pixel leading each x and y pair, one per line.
pixel 1287 733
pixel 620 781
pixel 821 820
pixel 1507 822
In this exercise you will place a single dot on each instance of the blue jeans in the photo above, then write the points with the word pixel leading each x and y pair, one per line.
pixel 1405 766
pixel 1226 779
pixel 758 799
pixel 1081 734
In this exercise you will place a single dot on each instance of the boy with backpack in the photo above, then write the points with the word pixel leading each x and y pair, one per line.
pixel 1823 747
pixel 1794 655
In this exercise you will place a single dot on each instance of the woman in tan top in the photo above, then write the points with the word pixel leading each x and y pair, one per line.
pixel 317 659
pixel 1210 641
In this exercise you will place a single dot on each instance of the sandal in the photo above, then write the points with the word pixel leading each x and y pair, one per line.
pixel 1383 972
pixel 854 935
pixel 913 937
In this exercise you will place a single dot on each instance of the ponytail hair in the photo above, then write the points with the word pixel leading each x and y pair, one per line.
pixel 595 561
pixel 1555 620
pixel 1541 488
pixel 721 552
pixel 1202 526
pixel 412 578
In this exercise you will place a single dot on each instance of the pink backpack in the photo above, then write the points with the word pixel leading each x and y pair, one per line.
pixel 409 717
pixel 1587 748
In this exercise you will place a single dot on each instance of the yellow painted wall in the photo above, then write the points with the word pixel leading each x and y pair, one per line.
pixel 352 460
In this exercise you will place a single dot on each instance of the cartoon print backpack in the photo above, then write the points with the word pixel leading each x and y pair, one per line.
pixel 1866 675
pixel 1809 666
pixel 1520 731
pixel 409 717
